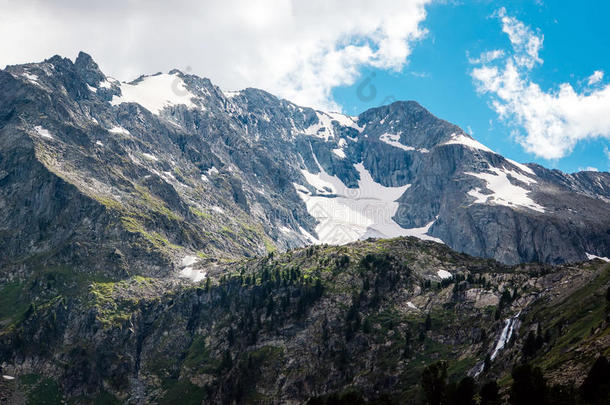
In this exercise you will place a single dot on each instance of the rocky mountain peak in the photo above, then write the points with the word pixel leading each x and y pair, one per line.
pixel 85 61
pixel 410 123
pixel 59 61
pixel 88 69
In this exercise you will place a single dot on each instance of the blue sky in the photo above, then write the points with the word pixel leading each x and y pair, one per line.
pixel 438 74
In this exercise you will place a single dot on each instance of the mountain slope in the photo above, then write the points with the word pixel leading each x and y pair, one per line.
pixel 363 318
pixel 169 166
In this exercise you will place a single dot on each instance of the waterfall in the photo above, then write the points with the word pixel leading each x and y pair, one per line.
pixel 507 332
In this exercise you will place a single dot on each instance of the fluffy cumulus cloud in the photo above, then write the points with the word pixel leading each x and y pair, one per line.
pixel 551 121
pixel 299 50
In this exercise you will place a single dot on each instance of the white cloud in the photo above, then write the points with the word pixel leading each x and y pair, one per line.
pixel 596 77
pixel 296 49
pixel 553 121
pixel 524 41
pixel 487 57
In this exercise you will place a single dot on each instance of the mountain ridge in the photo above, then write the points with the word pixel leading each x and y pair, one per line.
pixel 290 173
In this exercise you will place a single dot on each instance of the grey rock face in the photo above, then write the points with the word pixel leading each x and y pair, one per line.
pixel 88 168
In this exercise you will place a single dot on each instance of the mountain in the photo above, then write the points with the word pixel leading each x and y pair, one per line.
pixel 164 241
pixel 130 178
pixel 359 321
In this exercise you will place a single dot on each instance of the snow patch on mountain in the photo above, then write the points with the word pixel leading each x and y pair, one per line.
pixel 309 236
pixel 345 120
pixel 521 166
pixel 444 274
pixel 105 84
pixel 421 233
pixel 155 93
pixel 188 271
pixel 503 192
pixel 394 140
pixel 347 214
pixel 43 132
pixel 150 157
pixel 324 128
pixel 32 78
pixel 119 130
pixel 522 178
pixel 189 260
pixel 231 94
pixel 339 153
pixel 591 257
pixel 301 189
pixel 461 139
pixel 194 275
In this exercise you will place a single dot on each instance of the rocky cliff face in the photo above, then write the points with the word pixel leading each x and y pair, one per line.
pixel 132 177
